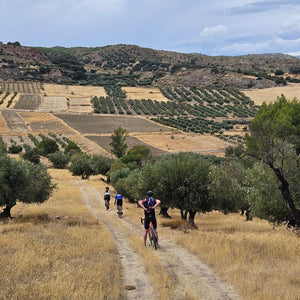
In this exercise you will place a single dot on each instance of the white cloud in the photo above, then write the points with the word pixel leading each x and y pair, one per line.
pixel 212 32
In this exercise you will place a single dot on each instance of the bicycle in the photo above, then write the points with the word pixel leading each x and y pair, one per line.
pixel 152 234
pixel 120 211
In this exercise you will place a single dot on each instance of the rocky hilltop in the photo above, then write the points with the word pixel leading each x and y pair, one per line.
pixel 130 65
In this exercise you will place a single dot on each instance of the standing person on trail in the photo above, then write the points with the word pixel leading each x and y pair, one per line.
pixel 149 204
pixel 119 201
pixel 107 197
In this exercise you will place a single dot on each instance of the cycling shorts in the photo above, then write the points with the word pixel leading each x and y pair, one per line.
pixel 119 202
pixel 148 218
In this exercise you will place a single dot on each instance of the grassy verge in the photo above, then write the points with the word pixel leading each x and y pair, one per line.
pixel 261 263
pixel 57 250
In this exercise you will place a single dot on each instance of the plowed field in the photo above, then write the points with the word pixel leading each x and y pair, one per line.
pixel 28 101
pixel 14 122
pixel 104 142
pixel 94 124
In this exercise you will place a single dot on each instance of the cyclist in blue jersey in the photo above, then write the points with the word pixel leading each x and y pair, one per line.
pixel 119 202
pixel 149 204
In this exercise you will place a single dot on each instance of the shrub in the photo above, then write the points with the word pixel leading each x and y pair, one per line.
pixel 15 149
pixel 59 159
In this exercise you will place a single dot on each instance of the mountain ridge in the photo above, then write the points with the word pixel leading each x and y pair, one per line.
pixel 133 65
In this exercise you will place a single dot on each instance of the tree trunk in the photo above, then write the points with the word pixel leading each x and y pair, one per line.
pixel 164 212
pixel 286 194
pixel 183 214
pixel 192 215
pixel 6 211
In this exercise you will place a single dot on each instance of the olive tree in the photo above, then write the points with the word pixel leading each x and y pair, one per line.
pixel 118 145
pixel 23 181
pixel 274 139
pixel 179 181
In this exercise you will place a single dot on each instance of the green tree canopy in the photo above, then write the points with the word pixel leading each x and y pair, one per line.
pixel 275 140
pixel 59 159
pixel 136 154
pixel 24 181
pixel 82 166
pixel 118 145
pixel 47 146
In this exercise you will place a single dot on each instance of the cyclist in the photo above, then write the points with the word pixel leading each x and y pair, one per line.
pixel 149 204
pixel 119 201
pixel 107 197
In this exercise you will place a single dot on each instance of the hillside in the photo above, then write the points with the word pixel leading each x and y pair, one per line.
pixel 130 65
pixel 168 101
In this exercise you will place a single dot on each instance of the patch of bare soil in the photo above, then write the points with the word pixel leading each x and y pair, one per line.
pixel 192 277
pixel 270 94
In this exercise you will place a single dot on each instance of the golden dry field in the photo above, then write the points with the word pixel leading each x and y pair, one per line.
pixel 71 248
pixel 139 93
pixel 267 95
pixel 70 91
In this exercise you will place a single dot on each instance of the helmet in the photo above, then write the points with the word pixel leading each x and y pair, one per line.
pixel 149 193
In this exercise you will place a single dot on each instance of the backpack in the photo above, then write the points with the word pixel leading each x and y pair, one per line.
pixel 149 202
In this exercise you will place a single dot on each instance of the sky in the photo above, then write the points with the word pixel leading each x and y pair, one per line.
pixel 211 27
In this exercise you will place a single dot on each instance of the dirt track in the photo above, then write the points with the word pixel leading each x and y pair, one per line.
pixel 187 271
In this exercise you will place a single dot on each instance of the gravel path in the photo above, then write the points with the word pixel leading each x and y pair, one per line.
pixel 192 278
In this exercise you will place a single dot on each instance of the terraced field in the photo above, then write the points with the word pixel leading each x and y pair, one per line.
pixel 96 124
pixel 28 102
pixel 131 141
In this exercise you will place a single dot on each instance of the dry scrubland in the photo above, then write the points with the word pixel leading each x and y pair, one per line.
pixel 74 257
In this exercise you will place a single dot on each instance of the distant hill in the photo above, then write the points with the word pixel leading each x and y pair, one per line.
pixel 131 65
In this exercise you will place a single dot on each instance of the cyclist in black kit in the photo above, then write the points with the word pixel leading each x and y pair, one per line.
pixel 149 204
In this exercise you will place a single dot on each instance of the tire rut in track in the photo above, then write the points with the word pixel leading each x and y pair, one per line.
pixel 133 270
pixel 191 276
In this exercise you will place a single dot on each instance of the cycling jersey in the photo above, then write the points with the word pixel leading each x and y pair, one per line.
pixel 148 203
pixel 119 199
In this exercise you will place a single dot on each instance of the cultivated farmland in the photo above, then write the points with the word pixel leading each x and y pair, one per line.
pixel 28 102
pixel 131 141
pixel 95 124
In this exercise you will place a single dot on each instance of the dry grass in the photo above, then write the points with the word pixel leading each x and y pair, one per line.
pixel 270 94
pixel 139 93
pixel 43 257
pixel 54 104
pixel 175 142
pixel 59 90
pixel 261 263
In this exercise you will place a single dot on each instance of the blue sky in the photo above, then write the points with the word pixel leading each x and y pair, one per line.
pixel 212 27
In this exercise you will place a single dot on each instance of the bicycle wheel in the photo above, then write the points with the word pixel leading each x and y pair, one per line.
pixel 153 238
pixel 120 212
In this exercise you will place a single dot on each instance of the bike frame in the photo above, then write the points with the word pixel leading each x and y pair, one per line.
pixel 152 234
pixel 120 211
